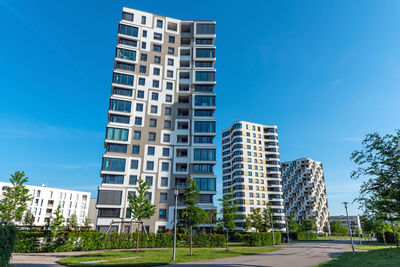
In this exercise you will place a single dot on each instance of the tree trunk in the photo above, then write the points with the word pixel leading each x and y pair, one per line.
pixel 191 236
pixel 383 235
pixel 227 239
pixel 137 237
pixel 395 234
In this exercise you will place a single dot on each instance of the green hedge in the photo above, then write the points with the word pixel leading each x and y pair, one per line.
pixel 389 237
pixel 307 236
pixel 7 242
pixel 91 240
pixel 263 239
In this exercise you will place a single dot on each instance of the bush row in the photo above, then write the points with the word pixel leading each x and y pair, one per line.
pixel 258 239
pixel 7 241
pixel 307 236
pixel 75 240
pixel 389 237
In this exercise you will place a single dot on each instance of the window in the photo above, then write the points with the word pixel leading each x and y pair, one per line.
pixel 206 76
pixel 143 21
pixel 123 79
pixel 139 107
pixel 205 52
pixel 127 16
pixel 127 42
pixel 156 48
pixel 164 181
pixel 153 109
pixel 144 34
pixel 143 44
pixel 125 54
pixel 204 126
pixel 122 91
pixel 120 105
pixel 165 166
pixel 203 113
pixel 165 152
pixel 203 139
pixel 113 179
pixel 170 62
pixel 140 94
pixel 149 166
pixel 132 179
pixel 168 98
pixel 152 136
pixel 143 57
pixel 138 120
pixel 205 28
pixel 168 111
pixel 159 23
pixel 142 81
pixel 167 138
pixel 125 66
pixel 156 71
pixel 116 148
pixel 202 100
pixel 156 83
pixel 157 59
pixel 150 150
pixel 204 154
pixel 203 64
pixel 170 73
pixel 154 96
pixel 128 30
pixel 109 197
pixel 137 135
pixel 203 88
pixel 167 124
pixel 171 39
pixel 108 213
pixel 119 119
pixel 153 123
pixel 113 164
pixel 142 69
pixel 135 149
pixel 171 50
pixel 157 36
pixel 204 41
pixel 162 214
pixel 205 184
pixel 134 164
pixel 117 134
pixel 163 197
pixel 169 86
pixel 204 168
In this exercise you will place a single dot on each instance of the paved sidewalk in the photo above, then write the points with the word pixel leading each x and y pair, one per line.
pixel 300 254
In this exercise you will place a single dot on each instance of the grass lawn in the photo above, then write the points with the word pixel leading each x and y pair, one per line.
pixel 376 257
pixel 154 257
pixel 373 246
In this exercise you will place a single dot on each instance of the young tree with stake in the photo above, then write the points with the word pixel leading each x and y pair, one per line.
pixel 229 214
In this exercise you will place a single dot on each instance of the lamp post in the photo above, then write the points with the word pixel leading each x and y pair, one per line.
pixel 176 192
pixel 272 228
pixel 287 230
pixel 348 225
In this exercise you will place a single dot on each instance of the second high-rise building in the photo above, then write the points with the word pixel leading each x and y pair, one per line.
pixel 251 169
pixel 160 120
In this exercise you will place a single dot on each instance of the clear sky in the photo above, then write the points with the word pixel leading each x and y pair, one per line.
pixel 325 72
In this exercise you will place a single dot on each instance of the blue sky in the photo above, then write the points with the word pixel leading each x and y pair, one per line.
pixel 325 72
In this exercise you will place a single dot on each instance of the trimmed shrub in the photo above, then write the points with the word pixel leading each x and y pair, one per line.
pixel 209 240
pixel 293 235
pixel 307 236
pixel 7 242
pixel 263 239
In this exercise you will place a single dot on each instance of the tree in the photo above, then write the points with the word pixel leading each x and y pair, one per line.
pixel 337 228
pixel 379 162
pixel 307 225
pixel 247 223
pixel 87 222
pixel 29 218
pixel 140 207
pixel 14 201
pixel 292 224
pixel 58 220
pixel 257 219
pixel 229 214
pixel 73 222
pixel 192 214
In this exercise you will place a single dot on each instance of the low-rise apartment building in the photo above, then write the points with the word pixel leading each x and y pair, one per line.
pixel 353 219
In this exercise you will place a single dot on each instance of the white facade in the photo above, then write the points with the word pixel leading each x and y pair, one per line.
pixel 305 191
pixel 45 201
pixel 251 169
pixel 354 221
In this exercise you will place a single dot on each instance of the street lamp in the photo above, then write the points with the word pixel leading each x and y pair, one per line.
pixel 176 192
pixel 348 225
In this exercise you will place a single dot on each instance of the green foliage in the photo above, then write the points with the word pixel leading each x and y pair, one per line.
pixel 229 213
pixel 292 224
pixel 337 228
pixel 139 206
pixel 257 220
pixel 29 218
pixel 307 225
pixel 247 223
pixel 73 222
pixel 387 237
pixel 87 222
pixel 7 241
pixel 263 239
pixel 14 201
pixel 29 241
pixel 58 220
pixel 302 236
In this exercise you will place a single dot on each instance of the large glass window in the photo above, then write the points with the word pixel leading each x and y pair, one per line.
pixel 205 28
pixel 127 16
pixel 128 30
pixel 119 119
pixel 202 168
pixel 204 126
pixel 199 139
pixel 204 100
pixel 109 197
pixel 205 53
pixel 205 184
pixel 109 213
pixel 118 148
pixel 122 91
pixel 117 134
pixel 204 154
pixel 113 164
pixel 126 54
pixel 120 105
pixel 205 76
pixel 124 41
pixel 203 113
pixel 123 79
pixel 113 179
